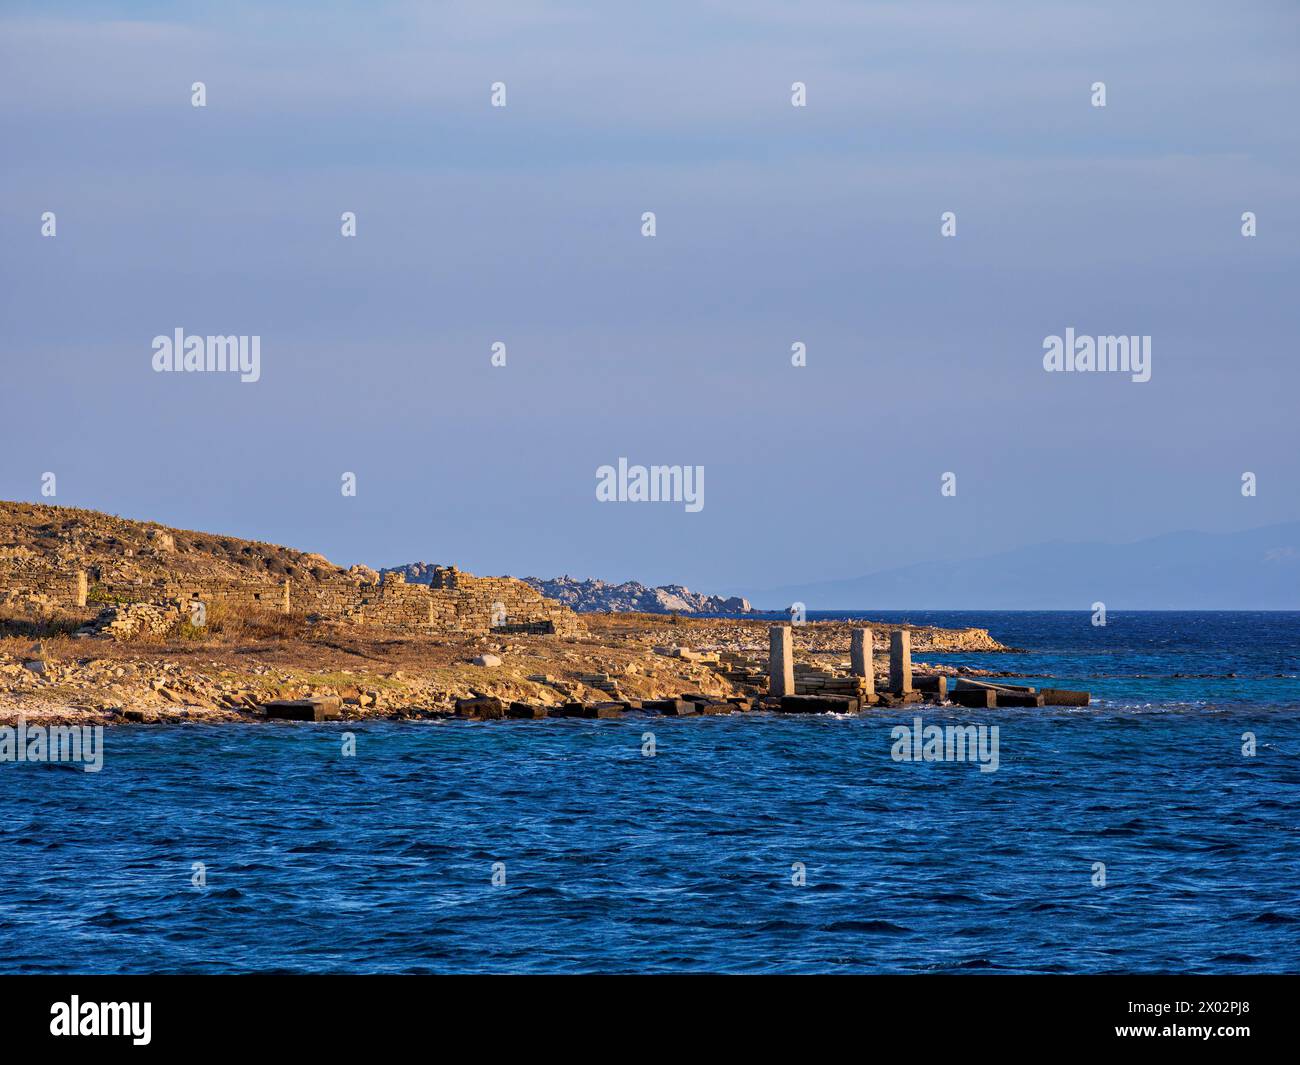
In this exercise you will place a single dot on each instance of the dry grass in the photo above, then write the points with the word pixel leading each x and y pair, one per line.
pixel 33 623
pixel 226 624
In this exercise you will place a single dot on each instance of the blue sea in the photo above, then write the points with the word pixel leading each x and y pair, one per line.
pixel 749 844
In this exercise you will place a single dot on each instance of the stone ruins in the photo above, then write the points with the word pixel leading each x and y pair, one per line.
pixel 806 689
pixel 454 602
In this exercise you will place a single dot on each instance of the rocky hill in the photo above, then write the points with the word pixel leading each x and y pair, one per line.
pixel 595 596
pixel 117 550
pixel 145 575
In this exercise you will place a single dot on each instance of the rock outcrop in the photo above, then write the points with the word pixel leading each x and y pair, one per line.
pixel 596 595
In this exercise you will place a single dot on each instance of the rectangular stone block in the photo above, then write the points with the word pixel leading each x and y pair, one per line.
pixel 321 708
pixel 780 668
pixel 935 688
pixel 484 708
pixel 525 711
pixel 1010 698
pixel 818 704
pixel 968 682
pixel 900 662
pixel 713 709
pixel 602 710
pixel 1065 697
pixel 570 709
pixel 670 707
pixel 893 699
pixel 983 698
pixel 861 662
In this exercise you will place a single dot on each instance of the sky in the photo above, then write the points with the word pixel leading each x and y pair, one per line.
pixel 775 225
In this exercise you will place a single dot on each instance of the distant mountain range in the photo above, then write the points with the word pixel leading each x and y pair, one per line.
pixel 1258 569
pixel 594 595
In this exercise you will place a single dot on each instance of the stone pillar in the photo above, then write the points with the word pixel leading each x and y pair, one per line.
pixel 860 652
pixel 780 661
pixel 900 662
pixel 80 588
pixel 285 606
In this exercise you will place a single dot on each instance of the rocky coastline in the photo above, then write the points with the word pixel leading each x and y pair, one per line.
pixel 628 658
pixel 104 620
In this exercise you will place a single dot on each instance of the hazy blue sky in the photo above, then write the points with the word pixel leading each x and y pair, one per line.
pixel 775 224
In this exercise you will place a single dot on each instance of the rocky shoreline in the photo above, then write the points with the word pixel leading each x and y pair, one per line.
pixel 623 661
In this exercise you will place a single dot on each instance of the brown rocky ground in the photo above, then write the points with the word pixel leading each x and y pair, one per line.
pixel 121 549
pixel 47 675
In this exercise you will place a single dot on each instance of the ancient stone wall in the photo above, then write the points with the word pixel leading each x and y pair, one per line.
pixel 267 595
pixel 508 604
pixel 44 587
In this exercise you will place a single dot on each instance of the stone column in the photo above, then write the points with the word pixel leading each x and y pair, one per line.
pixel 860 652
pixel 80 589
pixel 284 606
pixel 900 662
pixel 780 661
